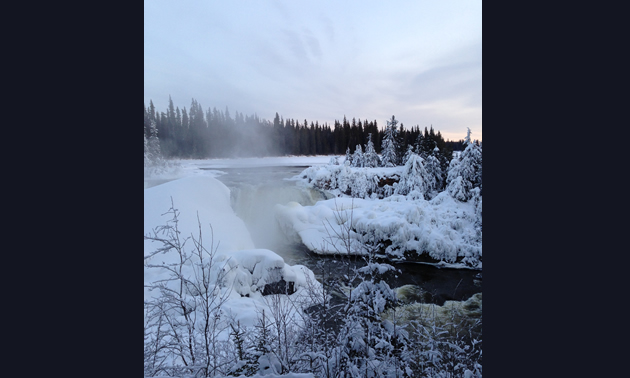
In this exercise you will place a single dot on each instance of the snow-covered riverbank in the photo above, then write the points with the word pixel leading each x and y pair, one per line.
pixel 405 226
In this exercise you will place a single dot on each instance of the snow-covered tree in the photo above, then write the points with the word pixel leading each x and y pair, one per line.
pixel 435 176
pixel 348 156
pixel 467 139
pixel 370 157
pixel 154 141
pixel 246 361
pixel 407 154
pixel 357 157
pixel 413 181
pixel 266 359
pixel 389 147
pixel 388 153
pixel 361 186
pixel 147 155
pixel 464 172
pixel 153 160
pixel 368 345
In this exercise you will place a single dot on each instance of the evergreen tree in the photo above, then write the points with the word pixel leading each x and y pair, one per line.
pixel 153 160
pixel 246 361
pixel 407 153
pixel 368 345
pixel 389 147
pixel 267 362
pixel 348 157
pixel 278 135
pixel 388 158
pixel 147 122
pixel 435 176
pixel 413 181
pixel 357 157
pixel 147 156
pixel 400 142
pixel 426 144
pixel 464 172
pixel 151 111
pixel 370 158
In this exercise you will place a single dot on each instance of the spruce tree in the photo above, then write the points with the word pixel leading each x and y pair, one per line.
pixel 407 154
pixel 464 172
pixel 413 181
pixel 357 157
pixel 389 147
pixel 370 158
pixel 348 157
pixel 435 176
pixel 369 345
pixel 147 122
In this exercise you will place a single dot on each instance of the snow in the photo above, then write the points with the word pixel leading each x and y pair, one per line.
pixel 443 227
pixel 345 179
pixel 203 200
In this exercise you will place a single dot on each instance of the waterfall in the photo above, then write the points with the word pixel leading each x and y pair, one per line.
pixel 254 204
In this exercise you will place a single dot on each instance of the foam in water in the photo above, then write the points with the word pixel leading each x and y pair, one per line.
pixel 468 311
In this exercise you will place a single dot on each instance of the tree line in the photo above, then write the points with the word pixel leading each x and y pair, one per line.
pixel 195 133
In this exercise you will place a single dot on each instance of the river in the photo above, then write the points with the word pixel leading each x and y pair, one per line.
pixel 255 192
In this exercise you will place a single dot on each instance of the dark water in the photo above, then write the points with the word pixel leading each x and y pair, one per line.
pixel 256 191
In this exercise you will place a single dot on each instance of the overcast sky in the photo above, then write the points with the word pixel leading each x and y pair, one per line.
pixel 320 60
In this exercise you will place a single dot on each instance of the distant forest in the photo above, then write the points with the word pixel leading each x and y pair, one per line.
pixel 193 133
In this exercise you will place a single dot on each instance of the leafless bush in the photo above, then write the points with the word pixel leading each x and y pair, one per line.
pixel 183 321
